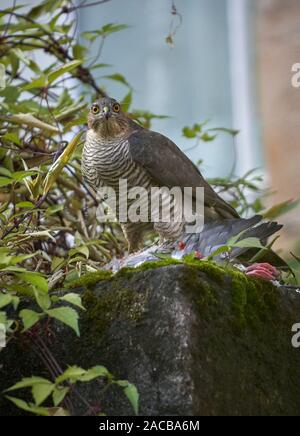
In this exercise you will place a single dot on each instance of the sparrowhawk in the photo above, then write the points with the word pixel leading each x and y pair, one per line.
pixel 117 148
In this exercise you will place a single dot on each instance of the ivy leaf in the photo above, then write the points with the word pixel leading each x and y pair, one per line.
pixel 73 373
pixel 42 299
pixel 27 382
pixel 95 372
pixel 73 299
pixel 133 396
pixel 5 299
pixel 35 279
pixel 41 391
pixel 131 393
pixel 59 394
pixel 66 315
pixel 29 318
pixel 42 411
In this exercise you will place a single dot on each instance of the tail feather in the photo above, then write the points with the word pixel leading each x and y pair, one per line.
pixel 217 234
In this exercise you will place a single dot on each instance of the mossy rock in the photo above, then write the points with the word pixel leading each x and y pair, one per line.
pixel 194 337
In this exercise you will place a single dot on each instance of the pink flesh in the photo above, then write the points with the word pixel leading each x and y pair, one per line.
pixel 262 270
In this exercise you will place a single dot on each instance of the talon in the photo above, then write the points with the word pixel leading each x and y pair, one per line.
pixel 262 270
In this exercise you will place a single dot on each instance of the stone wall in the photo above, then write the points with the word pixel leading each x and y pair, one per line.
pixel 194 339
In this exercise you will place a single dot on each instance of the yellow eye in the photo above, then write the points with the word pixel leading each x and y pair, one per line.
pixel 95 109
pixel 116 107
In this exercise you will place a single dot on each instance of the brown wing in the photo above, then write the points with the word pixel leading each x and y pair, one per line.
pixel 169 166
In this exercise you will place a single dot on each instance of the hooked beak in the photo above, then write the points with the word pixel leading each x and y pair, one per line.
pixel 106 112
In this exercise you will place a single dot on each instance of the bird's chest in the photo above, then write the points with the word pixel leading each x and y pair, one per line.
pixel 106 164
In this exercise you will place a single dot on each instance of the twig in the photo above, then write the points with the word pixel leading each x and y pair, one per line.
pixel 67 10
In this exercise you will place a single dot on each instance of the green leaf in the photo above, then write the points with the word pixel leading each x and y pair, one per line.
pixel 5 299
pixel 4 181
pixel 20 175
pixel 281 209
pixel 104 31
pixel 42 299
pixel 25 205
pixel 118 78
pixel 126 102
pixel 66 315
pixel 32 121
pixel 59 394
pixel 73 373
pixel 12 137
pixel 79 51
pixel 248 243
pixel 21 56
pixel 189 132
pixel 52 210
pixel 57 262
pixel 15 302
pixel 27 382
pixel 133 396
pixel 131 393
pixel 40 82
pixel 42 411
pixel 5 172
pixel 63 69
pixel 5 259
pixel 55 170
pixel 95 372
pixel 29 318
pixel 36 279
pixel 112 28
pixel 208 138
pixel 231 132
pixel 82 250
pixel 41 391
pixel 218 251
pixel 73 298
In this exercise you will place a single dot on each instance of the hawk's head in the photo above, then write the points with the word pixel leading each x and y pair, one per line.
pixel 107 118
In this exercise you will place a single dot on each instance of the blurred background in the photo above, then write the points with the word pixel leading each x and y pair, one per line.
pixel 226 61
pixel 231 64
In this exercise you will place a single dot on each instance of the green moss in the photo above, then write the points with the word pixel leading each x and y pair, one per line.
pixel 147 266
pixel 214 271
pixel 110 306
pixel 91 279
pixel 251 300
